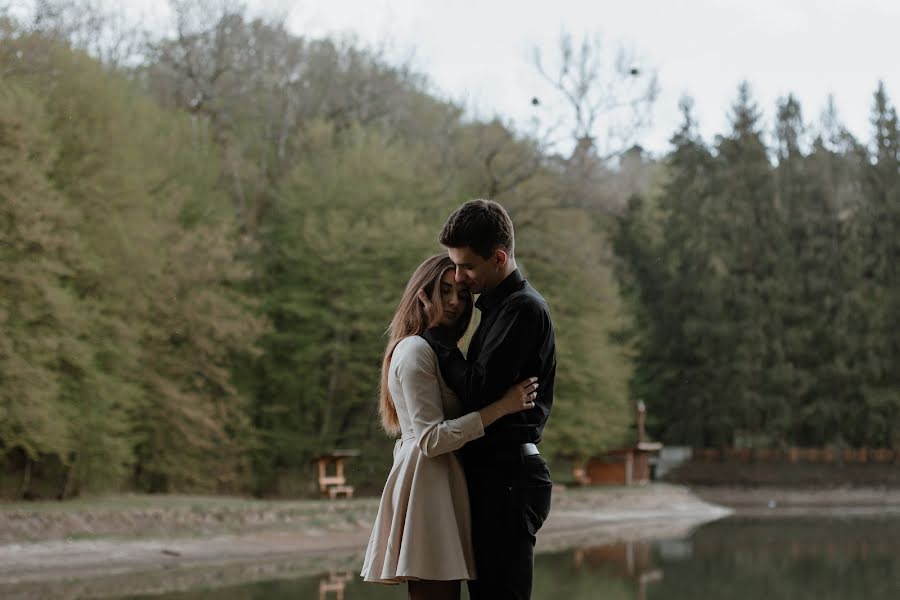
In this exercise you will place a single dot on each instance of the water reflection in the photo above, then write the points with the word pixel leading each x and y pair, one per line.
pixel 334 581
pixel 631 561
pixel 738 559
pixel 795 558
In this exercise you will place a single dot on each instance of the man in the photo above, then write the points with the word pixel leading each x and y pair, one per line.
pixel 509 482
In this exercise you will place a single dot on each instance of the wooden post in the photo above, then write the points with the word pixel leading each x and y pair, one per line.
pixel 641 417
pixel 629 466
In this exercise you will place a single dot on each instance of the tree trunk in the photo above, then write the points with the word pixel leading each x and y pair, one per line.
pixel 26 480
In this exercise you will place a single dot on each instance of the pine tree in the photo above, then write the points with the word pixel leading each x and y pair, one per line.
pixel 877 420
pixel 675 280
pixel 748 246
pixel 811 280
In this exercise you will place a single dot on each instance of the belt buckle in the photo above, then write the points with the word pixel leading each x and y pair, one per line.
pixel 528 449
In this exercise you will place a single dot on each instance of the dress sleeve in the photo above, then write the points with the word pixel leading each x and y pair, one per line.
pixel 435 435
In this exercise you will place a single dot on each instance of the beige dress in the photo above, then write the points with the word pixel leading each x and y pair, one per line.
pixel 423 528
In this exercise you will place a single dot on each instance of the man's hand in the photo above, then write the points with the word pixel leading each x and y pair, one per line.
pixel 433 311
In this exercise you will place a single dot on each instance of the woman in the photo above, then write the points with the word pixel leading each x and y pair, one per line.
pixel 422 534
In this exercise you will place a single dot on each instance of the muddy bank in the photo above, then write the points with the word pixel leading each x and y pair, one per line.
pixel 103 567
pixel 126 518
pixel 144 516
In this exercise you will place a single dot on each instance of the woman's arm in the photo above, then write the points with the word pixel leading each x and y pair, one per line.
pixel 436 435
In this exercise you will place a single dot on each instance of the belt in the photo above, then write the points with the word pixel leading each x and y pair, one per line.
pixel 511 453
pixel 529 449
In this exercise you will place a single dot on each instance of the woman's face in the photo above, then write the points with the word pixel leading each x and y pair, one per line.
pixel 455 298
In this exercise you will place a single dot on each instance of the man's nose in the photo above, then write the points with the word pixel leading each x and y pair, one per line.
pixel 460 276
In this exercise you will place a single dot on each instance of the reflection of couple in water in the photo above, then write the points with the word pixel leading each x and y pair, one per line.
pixel 448 516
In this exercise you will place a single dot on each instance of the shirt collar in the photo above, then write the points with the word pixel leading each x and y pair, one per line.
pixel 513 282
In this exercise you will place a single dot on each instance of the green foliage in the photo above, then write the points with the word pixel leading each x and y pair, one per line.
pixel 592 410
pixel 119 319
pixel 351 222
pixel 41 327
pixel 201 254
pixel 224 232
pixel 764 297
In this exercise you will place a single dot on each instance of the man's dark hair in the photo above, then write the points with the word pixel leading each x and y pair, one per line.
pixel 483 225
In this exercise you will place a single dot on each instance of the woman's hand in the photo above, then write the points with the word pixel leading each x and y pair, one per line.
pixel 520 396
pixel 433 311
pixel 516 399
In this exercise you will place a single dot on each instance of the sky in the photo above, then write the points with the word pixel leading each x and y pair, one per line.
pixel 476 52
pixel 479 50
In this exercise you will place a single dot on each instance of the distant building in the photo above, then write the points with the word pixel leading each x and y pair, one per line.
pixel 629 465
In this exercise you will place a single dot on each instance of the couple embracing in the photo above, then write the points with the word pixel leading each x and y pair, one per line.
pixel 468 488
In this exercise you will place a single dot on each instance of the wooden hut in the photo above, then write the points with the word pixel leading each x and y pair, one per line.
pixel 628 465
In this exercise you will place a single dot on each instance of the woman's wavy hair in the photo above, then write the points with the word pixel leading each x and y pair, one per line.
pixel 410 319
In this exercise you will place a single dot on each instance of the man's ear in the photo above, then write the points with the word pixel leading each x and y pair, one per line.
pixel 501 256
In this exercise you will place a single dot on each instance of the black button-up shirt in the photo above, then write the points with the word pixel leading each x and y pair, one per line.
pixel 513 341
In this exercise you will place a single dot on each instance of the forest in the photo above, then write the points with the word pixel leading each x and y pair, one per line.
pixel 204 233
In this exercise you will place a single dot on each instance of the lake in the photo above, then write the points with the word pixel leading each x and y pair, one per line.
pixel 738 558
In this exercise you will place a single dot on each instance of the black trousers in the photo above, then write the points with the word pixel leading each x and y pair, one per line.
pixel 510 501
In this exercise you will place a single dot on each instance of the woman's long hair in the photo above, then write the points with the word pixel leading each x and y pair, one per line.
pixel 410 319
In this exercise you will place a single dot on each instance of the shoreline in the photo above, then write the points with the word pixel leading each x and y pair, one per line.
pixel 233 541
pixel 279 543
pixel 782 500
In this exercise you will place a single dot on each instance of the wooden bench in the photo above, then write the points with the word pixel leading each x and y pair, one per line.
pixel 337 490
pixel 334 485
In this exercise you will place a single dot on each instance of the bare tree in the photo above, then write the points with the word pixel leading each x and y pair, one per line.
pixel 257 87
pixel 90 25
pixel 505 160
pixel 604 95
pixel 601 99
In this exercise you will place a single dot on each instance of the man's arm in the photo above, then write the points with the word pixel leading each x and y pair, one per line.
pixel 513 338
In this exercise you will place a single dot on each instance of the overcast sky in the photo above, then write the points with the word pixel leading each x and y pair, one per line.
pixel 477 51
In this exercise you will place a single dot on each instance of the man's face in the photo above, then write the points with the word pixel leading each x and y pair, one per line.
pixel 480 275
